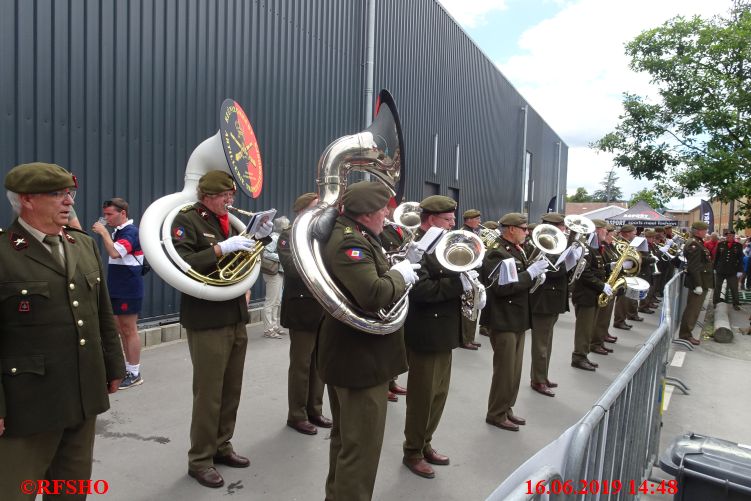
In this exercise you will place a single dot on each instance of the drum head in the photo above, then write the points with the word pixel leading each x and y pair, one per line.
pixel 636 288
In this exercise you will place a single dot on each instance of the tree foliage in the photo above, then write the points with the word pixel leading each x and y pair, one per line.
pixel 695 134
pixel 580 196
pixel 650 196
pixel 609 192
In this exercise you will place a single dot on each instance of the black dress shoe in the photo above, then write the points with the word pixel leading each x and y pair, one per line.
pixel 506 424
pixel 583 364
pixel 622 325
pixel 600 350
pixel 636 318
pixel 232 459
pixel 208 477
pixel 542 389
pixel 593 364
pixel 305 427
pixel 321 421
pixel 645 310
pixel 517 420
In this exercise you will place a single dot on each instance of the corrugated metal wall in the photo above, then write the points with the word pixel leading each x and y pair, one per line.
pixel 121 91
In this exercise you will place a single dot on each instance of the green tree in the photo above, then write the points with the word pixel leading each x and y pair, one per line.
pixel 650 196
pixel 580 196
pixel 696 133
pixel 609 192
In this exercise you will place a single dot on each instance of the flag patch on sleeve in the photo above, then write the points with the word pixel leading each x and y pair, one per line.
pixel 179 233
pixel 355 253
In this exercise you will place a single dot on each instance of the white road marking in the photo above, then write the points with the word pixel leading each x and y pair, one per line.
pixel 666 398
pixel 678 359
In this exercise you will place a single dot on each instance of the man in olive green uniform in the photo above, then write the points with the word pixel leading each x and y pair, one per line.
pixel 587 289
pixel 217 339
pixel 60 354
pixel 728 266
pixel 432 331
pixel 698 279
pixel 646 271
pixel 355 365
pixel 546 303
pixel 469 327
pixel 625 308
pixel 605 315
pixel 484 314
pixel 508 276
pixel 301 314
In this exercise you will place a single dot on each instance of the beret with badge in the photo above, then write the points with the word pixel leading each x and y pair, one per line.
pixel 600 223
pixel 531 227
pixel 699 225
pixel 303 201
pixel 438 204
pixel 471 214
pixel 659 229
pixel 491 225
pixel 513 219
pixel 365 197
pixel 649 232
pixel 38 177
pixel 552 218
pixel 628 228
pixel 609 227
pixel 216 181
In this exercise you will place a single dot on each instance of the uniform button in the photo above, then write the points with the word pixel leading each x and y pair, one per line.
pixel 80 323
pixel 24 292
pixel 75 304
pixel 98 279
pixel 13 370
pixel 72 286
pixel 435 315
pixel 82 342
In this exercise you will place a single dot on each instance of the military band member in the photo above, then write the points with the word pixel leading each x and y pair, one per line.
pixel 698 279
pixel 646 271
pixel 301 314
pixel 547 302
pixel 432 331
pixel 357 366
pixel 469 327
pixel 586 291
pixel 664 266
pixel 491 225
pixel 728 265
pixel 59 349
pixel 626 308
pixel 605 315
pixel 217 339
pixel 509 318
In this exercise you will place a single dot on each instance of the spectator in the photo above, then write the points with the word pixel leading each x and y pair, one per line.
pixel 124 281
pixel 711 244
pixel 73 221
pixel 273 278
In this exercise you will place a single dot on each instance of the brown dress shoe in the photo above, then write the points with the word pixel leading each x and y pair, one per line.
pixel 433 457
pixel 610 339
pixel 583 364
pixel 543 389
pixel 208 477
pixel 622 325
pixel 399 390
pixel 477 344
pixel 692 340
pixel 305 427
pixel 609 350
pixel 599 350
pixel 646 310
pixel 505 424
pixel 636 318
pixel 232 459
pixel 419 467
pixel 469 346
pixel 517 420
pixel 551 384
pixel 321 421
pixel 391 396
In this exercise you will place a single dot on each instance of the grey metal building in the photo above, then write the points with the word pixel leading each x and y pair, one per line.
pixel 120 92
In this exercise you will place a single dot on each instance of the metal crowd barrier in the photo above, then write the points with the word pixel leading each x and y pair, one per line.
pixel 613 447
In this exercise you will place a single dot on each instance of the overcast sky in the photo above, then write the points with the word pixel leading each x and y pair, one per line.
pixel 567 59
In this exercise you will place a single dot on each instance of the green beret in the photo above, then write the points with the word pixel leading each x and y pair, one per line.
pixel 303 201
pixel 699 225
pixel 628 228
pixel 365 197
pixel 438 204
pixel 491 225
pixel 659 229
pixel 216 181
pixel 39 177
pixel 552 218
pixel 531 226
pixel 609 227
pixel 649 232
pixel 471 213
pixel 600 223
pixel 513 219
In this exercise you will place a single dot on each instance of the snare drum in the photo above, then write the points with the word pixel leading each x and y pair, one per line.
pixel 636 288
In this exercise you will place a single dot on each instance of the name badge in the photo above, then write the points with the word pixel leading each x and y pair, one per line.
pixel 209 235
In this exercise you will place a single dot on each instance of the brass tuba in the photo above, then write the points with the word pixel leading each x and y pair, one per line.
pixel 378 151
pixel 239 157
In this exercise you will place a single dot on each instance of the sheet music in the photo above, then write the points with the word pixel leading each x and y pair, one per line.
pixel 428 242
pixel 257 220
pixel 507 273
pixel 640 244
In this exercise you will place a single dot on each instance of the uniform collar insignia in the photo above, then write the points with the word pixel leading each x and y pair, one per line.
pixel 18 242
pixel 347 230
pixel 203 213
pixel 69 237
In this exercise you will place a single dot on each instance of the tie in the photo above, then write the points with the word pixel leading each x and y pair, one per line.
pixel 54 242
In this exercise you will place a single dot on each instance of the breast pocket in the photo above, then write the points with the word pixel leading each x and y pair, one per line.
pixel 25 303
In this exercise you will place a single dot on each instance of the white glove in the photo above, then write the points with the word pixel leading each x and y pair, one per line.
pixel 236 243
pixel 607 290
pixel 467 278
pixel 483 299
pixel 669 242
pixel 578 251
pixel 414 253
pixel 628 264
pixel 698 291
pixel 407 270
pixel 739 274
pixel 664 249
pixel 537 268
pixel 265 230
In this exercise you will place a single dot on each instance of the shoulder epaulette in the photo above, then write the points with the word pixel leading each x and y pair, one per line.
pixel 70 228
pixel 187 208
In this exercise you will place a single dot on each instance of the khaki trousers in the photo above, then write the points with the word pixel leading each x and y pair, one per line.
pixel 602 324
pixel 586 318
pixel 218 357
pixel 273 302
pixel 359 416
pixel 621 309
pixel 53 455
pixel 428 382
pixel 694 303
pixel 541 346
pixel 304 385
pixel 508 355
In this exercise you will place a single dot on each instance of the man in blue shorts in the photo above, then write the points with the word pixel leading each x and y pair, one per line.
pixel 125 281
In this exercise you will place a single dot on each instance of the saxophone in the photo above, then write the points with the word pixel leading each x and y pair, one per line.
pixel 617 279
